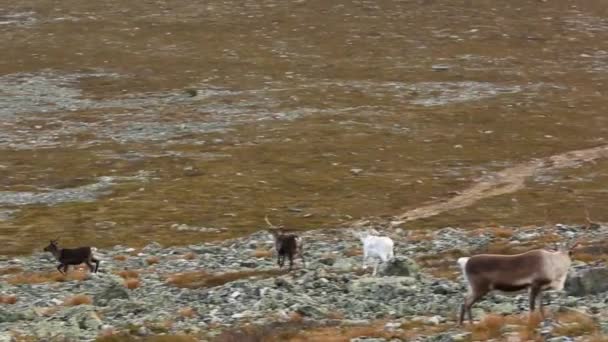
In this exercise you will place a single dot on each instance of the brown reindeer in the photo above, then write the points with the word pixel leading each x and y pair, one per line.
pixel 536 270
pixel 72 256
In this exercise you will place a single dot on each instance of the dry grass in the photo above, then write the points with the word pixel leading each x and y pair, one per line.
pixel 78 300
pixel 132 283
pixel 46 277
pixel 598 338
pixel 262 253
pixel 298 331
pixel 125 274
pixel 351 252
pixel 585 257
pixel 8 299
pixel 120 257
pixel 295 317
pixel 502 232
pixel 152 260
pixel 335 315
pixel 527 325
pixel 200 279
pixel 442 265
pixel 489 327
pixel 10 270
pixel 575 324
pixel 189 256
pixel 18 337
pixel 187 312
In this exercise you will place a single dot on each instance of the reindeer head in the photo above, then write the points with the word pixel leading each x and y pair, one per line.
pixel 52 247
pixel 567 248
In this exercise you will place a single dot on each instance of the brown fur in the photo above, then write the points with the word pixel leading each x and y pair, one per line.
pixel 72 256
pixel 536 270
pixel 286 244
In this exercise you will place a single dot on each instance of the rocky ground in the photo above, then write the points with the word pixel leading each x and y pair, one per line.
pixel 204 290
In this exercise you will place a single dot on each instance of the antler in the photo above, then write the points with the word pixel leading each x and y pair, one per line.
pixel 268 222
pixel 576 243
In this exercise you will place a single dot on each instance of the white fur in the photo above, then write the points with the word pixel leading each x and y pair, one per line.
pixel 462 262
pixel 376 247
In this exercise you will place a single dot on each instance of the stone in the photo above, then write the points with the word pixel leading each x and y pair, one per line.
pixel 114 290
pixel 6 337
pixel 385 287
pixel 329 261
pixel 8 316
pixel 314 311
pixel 392 325
pixel 399 266
pixel 560 339
pixel 587 281
pixel 345 264
pixel 503 308
pixel 450 337
pixel 82 316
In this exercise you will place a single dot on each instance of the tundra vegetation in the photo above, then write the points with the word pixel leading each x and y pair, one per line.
pixel 229 291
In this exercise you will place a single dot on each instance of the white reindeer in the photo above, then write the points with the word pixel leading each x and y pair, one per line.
pixel 375 246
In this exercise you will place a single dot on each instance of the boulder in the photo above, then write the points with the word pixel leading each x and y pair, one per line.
pixel 311 311
pixel 113 290
pixel 81 316
pixel 399 266
pixel 8 315
pixel 587 281
pixel 385 287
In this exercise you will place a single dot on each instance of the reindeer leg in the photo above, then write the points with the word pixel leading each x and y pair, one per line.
pixel 290 261
pixel 59 268
pixel 470 299
pixel 89 265
pixel 534 290
pixel 536 293
pixel 65 268
pixel 301 254
pixel 96 264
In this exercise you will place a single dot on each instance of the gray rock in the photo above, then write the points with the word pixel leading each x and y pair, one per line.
pixel 450 337
pixel 385 287
pixel 399 266
pixel 327 261
pixel 367 339
pixel 10 315
pixel 6 337
pixel 587 281
pixel 504 308
pixel 82 316
pixel 113 290
pixel 345 264
pixel 311 311
pixel 560 339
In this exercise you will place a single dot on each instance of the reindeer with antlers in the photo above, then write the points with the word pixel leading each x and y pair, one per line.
pixel 286 245
pixel 72 256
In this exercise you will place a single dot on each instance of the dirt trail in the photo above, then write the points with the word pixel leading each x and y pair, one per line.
pixel 506 181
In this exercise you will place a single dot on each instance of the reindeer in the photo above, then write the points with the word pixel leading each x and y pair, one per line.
pixel 72 256
pixel 286 244
pixel 536 270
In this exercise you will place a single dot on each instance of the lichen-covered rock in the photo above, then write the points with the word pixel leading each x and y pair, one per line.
pixel 8 315
pixel 399 266
pixel 114 290
pixel 385 287
pixel 587 281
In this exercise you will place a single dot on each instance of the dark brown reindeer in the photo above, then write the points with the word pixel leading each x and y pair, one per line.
pixel 536 270
pixel 286 245
pixel 72 256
